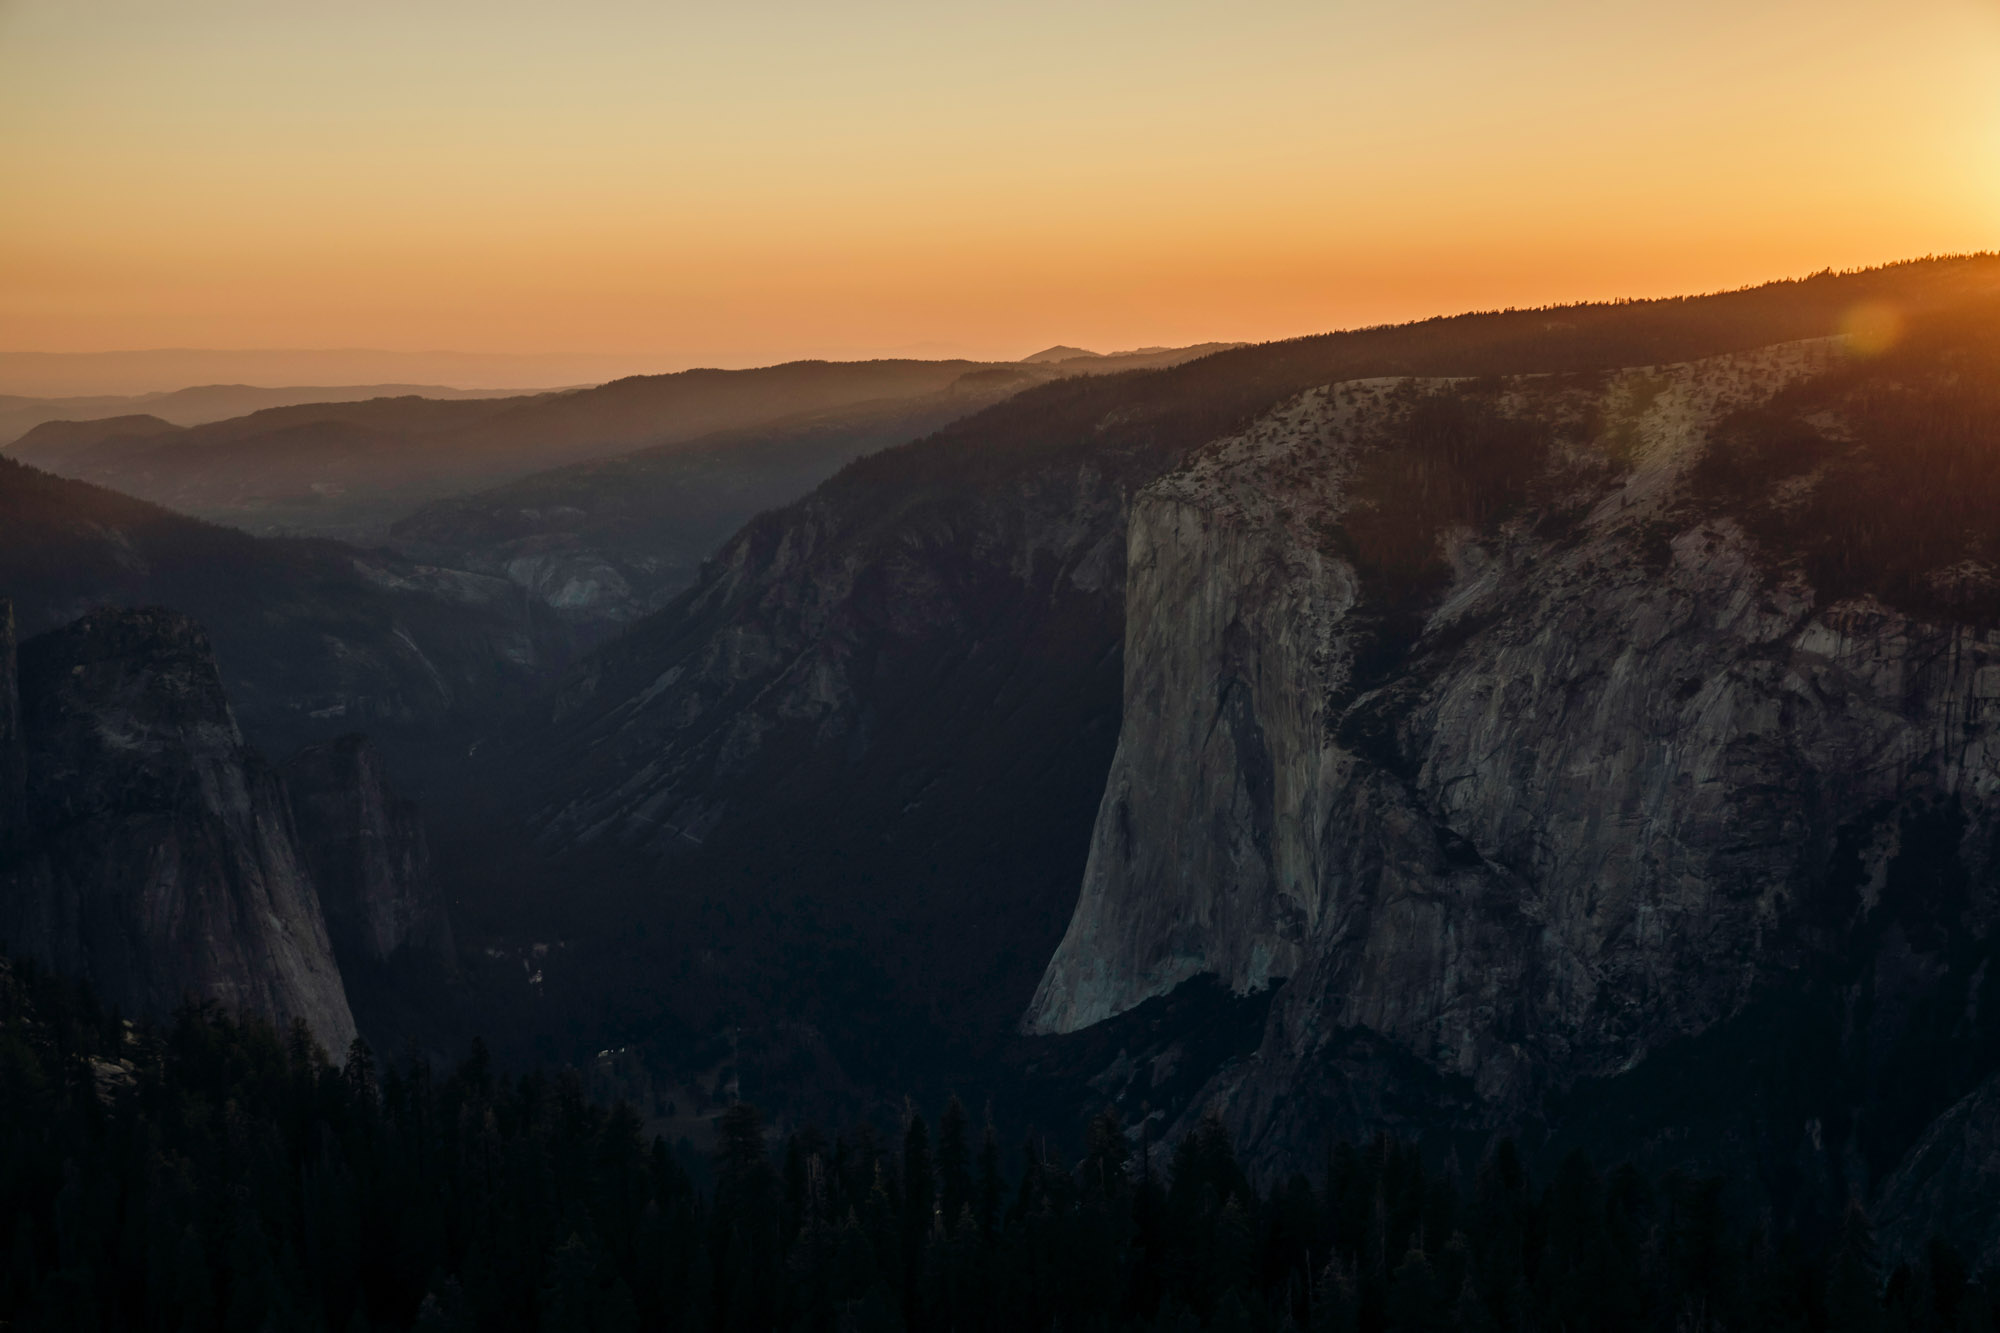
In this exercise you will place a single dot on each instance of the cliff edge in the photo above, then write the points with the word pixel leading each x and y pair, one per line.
pixel 1559 729
pixel 155 856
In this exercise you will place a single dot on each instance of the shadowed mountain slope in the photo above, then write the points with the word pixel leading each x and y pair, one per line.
pixel 155 855
pixel 606 542
pixel 347 469
pixel 206 402
pixel 860 760
pixel 314 638
pixel 72 441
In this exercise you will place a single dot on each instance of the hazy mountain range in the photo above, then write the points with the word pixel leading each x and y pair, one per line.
pixel 348 468
pixel 1517 724
pixel 205 403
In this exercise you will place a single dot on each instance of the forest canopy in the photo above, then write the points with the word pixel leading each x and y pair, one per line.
pixel 220 1173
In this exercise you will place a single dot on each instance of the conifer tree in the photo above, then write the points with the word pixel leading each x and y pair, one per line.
pixel 992 1189
pixel 244 1182
pixel 954 1163
pixel 1853 1294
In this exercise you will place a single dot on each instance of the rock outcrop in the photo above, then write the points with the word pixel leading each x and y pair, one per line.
pixel 834 722
pixel 1947 1186
pixel 1541 726
pixel 368 856
pixel 1267 780
pixel 156 858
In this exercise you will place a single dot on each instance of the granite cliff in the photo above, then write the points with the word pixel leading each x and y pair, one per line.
pixel 861 760
pixel 315 638
pixel 156 858
pixel 148 850
pixel 369 858
pixel 1618 751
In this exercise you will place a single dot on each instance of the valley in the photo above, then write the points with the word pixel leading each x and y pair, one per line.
pixel 1513 726
pixel 1031 668
pixel 867 756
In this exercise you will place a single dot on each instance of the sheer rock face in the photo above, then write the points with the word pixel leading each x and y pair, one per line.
pixel 368 856
pixel 159 859
pixel 1947 1186
pixel 1200 858
pixel 1623 772
pixel 887 709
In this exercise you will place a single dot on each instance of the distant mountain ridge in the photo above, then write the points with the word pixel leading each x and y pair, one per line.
pixel 68 441
pixel 208 402
pixel 607 541
pixel 314 638
pixel 348 469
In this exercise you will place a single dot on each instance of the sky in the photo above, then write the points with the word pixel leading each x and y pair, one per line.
pixel 744 183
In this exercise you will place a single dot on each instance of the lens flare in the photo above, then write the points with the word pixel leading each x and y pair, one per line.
pixel 1872 328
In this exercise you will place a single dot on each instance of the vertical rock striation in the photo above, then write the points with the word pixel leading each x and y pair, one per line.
pixel 159 860
pixel 1537 774
pixel 1202 860
pixel 1947 1186
pixel 369 859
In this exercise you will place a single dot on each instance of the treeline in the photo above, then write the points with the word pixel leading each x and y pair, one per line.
pixel 1880 479
pixel 219 1174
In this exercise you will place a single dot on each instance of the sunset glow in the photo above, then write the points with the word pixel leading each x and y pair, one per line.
pixel 742 184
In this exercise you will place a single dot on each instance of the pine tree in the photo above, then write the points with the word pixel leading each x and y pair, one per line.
pixel 250 1184
pixel 1335 1307
pixel 919 1213
pixel 1231 1315
pixel 744 1225
pixel 992 1189
pixel 954 1163
pixel 569 1296
pixel 1106 1155
pixel 1416 1304
pixel 919 1178
pixel 1946 1270
pixel 1853 1294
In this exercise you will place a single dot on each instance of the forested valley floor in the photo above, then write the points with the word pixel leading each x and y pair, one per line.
pixel 217 1173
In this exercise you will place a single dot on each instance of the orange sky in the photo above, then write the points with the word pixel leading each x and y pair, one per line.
pixel 745 183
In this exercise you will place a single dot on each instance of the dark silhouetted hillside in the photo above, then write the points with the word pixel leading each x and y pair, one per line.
pixel 608 541
pixel 314 638
pixel 208 402
pixel 348 469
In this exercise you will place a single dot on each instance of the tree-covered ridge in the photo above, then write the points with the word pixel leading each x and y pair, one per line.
pixel 1880 478
pixel 222 1174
